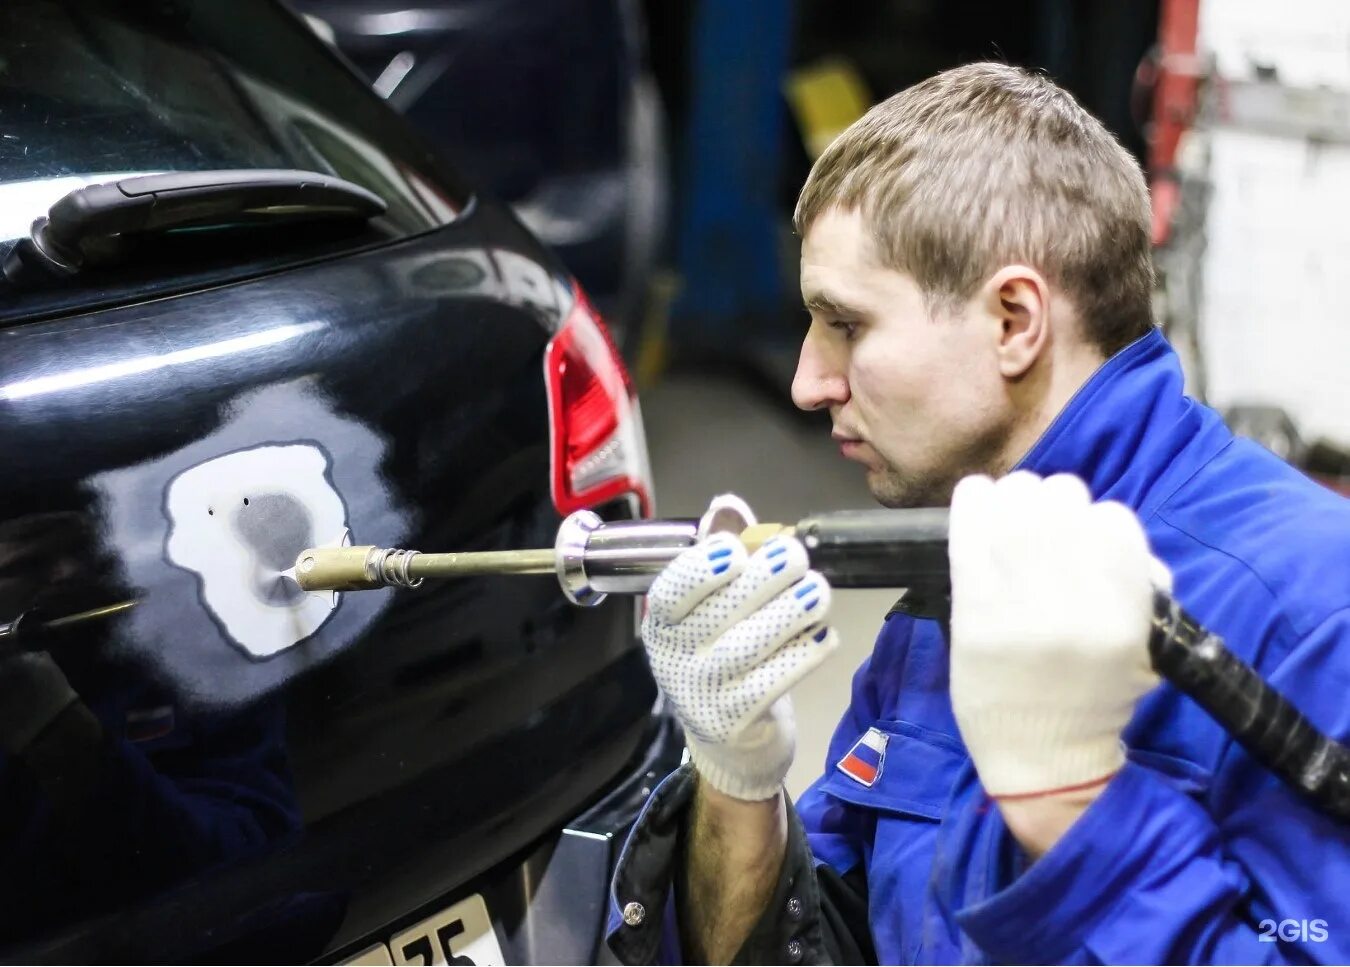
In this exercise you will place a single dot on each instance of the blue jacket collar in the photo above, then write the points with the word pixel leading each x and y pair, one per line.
pixel 1127 429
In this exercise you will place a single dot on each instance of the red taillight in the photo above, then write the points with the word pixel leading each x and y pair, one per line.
pixel 599 449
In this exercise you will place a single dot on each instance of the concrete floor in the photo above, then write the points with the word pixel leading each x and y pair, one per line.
pixel 715 434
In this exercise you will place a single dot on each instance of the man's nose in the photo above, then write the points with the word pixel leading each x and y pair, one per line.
pixel 819 382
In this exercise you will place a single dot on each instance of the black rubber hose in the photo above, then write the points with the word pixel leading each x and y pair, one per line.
pixel 1262 720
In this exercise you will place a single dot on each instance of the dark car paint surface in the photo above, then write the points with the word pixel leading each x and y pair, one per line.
pixel 417 745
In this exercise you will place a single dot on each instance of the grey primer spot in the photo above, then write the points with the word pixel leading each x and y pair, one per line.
pixel 172 630
pixel 276 528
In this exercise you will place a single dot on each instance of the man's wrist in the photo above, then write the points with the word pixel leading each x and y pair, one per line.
pixel 752 769
pixel 1039 821
pixel 732 809
pixel 760 819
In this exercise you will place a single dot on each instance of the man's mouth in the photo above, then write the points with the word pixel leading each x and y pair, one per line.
pixel 850 447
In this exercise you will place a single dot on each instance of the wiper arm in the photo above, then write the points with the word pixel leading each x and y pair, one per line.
pixel 92 226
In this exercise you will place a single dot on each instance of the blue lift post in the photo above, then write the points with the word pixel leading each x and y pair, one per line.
pixel 727 222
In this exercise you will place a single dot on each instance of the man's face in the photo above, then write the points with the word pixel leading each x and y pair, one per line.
pixel 916 398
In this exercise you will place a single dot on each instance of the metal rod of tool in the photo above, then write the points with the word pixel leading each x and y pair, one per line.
pixel 871 549
pixel 592 558
pixel 488 562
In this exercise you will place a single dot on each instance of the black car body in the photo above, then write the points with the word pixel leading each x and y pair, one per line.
pixel 375 774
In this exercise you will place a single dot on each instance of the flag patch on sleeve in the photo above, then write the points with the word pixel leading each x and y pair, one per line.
pixel 864 761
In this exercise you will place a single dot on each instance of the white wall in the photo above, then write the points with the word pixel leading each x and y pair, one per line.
pixel 1275 316
pixel 1307 41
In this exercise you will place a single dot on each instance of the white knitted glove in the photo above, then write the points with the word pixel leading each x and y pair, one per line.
pixel 1052 599
pixel 727 635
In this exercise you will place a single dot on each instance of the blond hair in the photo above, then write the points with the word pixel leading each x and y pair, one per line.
pixel 987 165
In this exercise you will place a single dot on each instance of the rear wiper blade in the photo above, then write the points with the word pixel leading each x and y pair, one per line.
pixel 98 224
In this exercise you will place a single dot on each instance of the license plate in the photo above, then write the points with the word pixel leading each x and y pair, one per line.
pixel 461 934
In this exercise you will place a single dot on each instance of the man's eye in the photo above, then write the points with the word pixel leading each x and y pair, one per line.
pixel 844 326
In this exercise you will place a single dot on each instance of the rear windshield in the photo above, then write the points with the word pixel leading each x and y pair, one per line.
pixel 93 90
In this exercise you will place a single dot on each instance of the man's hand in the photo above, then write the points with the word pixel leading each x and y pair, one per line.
pixel 1052 601
pixel 728 634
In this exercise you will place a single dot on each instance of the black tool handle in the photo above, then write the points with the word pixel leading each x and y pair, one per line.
pixel 878 548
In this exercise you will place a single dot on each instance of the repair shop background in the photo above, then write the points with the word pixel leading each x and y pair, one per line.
pixel 1236 109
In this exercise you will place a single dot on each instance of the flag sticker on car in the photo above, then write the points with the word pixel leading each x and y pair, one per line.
pixel 864 761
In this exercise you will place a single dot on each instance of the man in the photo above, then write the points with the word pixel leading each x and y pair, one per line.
pixel 1016 787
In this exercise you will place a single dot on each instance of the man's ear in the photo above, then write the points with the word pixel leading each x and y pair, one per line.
pixel 1018 299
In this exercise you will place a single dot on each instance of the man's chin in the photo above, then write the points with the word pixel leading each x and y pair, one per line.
pixel 895 491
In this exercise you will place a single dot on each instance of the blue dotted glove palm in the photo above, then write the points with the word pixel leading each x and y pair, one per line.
pixel 728 634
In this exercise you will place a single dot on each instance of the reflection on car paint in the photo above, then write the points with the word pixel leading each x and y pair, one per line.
pixel 494 273
pixel 141 365
pixel 213 617
pixel 129 797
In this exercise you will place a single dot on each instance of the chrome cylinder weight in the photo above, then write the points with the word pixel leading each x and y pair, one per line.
pixel 620 557
pixel 570 557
